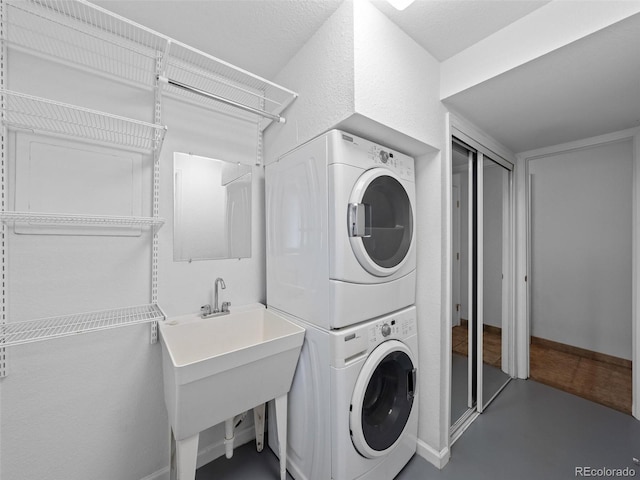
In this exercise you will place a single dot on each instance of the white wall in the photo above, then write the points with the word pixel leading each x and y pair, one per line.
pixel 322 74
pixel 92 406
pixel 582 247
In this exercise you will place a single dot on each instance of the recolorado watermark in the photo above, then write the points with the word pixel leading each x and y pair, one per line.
pixel 604 472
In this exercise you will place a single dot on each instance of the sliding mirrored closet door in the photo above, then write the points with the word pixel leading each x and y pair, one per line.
pixel 493 237
pixel 481 277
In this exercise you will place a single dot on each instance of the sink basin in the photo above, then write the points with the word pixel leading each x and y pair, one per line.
pixel 218 367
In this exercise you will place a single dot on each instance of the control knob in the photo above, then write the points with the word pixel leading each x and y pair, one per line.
pixel 385 330
pixel 384 156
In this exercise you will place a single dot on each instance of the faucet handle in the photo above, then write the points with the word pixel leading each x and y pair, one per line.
pixel 225 306
pixel 205 309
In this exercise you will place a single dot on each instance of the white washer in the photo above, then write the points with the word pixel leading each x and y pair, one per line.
pixel 340 217
pixel 353 404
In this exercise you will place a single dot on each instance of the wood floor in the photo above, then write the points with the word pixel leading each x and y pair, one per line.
pixel 605 381
pixel 492 346
pixel 599 378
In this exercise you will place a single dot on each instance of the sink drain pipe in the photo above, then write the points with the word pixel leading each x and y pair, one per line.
pixel 230 425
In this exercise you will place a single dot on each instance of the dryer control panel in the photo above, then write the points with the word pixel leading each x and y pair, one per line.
pixel 365 154
pixel 386 158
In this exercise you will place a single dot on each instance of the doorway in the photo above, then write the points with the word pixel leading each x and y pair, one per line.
pixel 482 279
pixel 580 211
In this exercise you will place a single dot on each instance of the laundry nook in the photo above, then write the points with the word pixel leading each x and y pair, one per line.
pixel 319 239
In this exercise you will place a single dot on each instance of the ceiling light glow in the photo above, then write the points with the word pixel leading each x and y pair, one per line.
pixel 400 4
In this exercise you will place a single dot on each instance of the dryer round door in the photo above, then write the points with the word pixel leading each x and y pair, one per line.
pixel 382 399
pixel 380 222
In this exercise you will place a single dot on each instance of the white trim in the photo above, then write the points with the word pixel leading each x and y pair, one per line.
pixel 479 281
pixel 162 474
pixel 579 144
pixel 431 455
pixel 446 292
pixel 521 270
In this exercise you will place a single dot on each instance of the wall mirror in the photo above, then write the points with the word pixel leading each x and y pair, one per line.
pixel 211 208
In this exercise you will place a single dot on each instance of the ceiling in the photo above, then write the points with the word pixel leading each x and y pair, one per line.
pixel 260 36
pixel 587 88
pixel 446 27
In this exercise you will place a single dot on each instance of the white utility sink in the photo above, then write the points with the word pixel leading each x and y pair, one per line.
pixel 218 367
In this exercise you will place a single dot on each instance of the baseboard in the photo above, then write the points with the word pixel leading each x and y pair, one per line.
pixel 159 475
pixel 210 452
pixel 438 459
pixel 582 352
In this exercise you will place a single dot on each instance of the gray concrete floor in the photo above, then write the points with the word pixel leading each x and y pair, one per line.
pixel 530 432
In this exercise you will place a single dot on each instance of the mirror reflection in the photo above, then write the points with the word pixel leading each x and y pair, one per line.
pixel 211 208
pixel 462 365
pixel 495 220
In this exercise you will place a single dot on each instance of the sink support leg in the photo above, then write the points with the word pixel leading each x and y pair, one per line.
pixel 258 420
pixel 281 423
pixel 173 475
pixel 184 457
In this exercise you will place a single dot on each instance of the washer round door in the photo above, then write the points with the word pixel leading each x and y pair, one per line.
pixel 380 222
pixel 382 399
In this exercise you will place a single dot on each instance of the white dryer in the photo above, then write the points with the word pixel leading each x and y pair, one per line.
pixel 353 404
pixel 340 221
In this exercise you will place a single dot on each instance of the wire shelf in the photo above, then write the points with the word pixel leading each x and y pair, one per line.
pixel 88 36
pixel 35 113
pixel 19 333
pixel 85 35
pixel 78 219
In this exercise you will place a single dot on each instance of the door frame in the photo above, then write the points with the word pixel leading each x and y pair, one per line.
pixel 523 243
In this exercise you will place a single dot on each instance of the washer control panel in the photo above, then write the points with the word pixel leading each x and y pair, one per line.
pixel 352 343
pixel 393 326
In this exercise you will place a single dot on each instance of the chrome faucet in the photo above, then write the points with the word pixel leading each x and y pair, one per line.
pixel 207 311
pixel 216 306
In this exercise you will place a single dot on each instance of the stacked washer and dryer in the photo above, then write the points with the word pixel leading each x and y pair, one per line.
pixel 340 219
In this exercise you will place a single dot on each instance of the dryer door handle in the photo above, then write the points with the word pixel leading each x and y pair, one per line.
pixel 411 384
pixel 359 220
